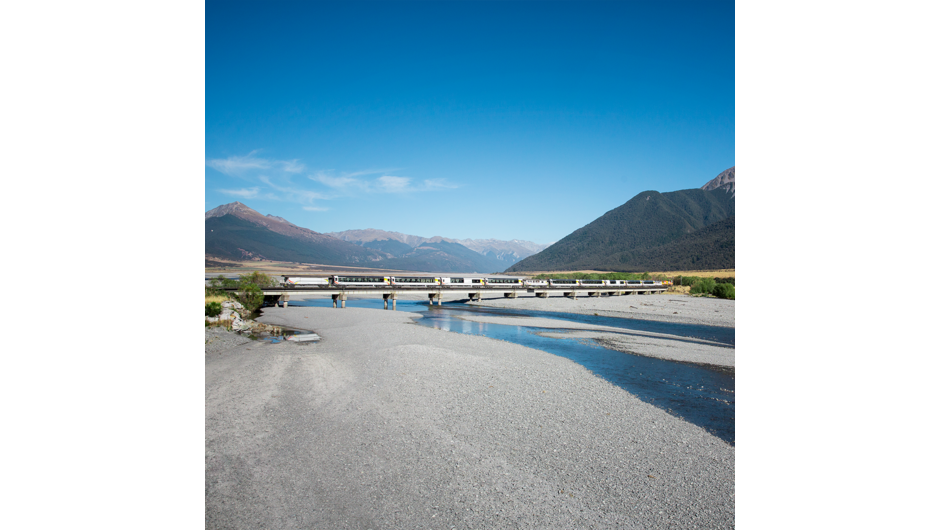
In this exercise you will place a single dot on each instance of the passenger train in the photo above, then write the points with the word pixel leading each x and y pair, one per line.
pixel 461 282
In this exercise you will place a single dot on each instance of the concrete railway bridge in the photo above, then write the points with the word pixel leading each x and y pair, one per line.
pixel 435 293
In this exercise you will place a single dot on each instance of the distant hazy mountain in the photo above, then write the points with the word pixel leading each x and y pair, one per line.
pixel 238 232
pixel 502 253
pixel 652 231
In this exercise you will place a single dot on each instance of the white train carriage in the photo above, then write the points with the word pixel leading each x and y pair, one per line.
pixel 415 281
pixel 616 283
pixel 535 283
pixel 593 283
pixel 359 281
pixel 303 281
pixel 462 282
pixel 564 283
pixel 503 282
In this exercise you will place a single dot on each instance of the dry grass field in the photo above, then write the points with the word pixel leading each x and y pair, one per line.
pixel 217 266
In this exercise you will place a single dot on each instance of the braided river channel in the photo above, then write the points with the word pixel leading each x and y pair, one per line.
pixel 698 394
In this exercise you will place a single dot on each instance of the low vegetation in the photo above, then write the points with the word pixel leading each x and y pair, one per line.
pixel 248 292
pixel 213 309
pixel 721 287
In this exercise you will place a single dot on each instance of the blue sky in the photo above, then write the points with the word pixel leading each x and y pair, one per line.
pixel 506 120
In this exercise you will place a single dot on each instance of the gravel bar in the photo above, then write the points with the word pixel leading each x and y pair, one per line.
pixel 665 307
pixel 387 424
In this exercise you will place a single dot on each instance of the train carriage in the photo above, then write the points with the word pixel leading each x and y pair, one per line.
pixel 462 282
pixel 415 281
pixel 503 282
pixel 301 281
pixel 564 283
pixel 359 281
pixel 535 283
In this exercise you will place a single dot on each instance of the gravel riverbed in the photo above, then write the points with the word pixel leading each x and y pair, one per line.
pixel 664 307
pixel 386 424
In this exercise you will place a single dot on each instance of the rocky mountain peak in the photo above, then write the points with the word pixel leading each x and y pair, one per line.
pixel 272 222
pixel 725 181
pixel 233 208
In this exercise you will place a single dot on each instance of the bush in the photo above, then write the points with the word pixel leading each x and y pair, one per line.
pixel 703 286
pixel 724 280
pixel 213 309
pixel 257 278
pixel 251 297
pixel 724 290
pixel 221 282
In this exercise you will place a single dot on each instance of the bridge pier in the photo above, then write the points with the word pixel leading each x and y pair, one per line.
pixel 572 294
pixel 433 296
pixel 541 294
pixel 474 297
pixel 284 299
pixel 594 294
pixel 342 300
pixel 509 295
pixel 393 297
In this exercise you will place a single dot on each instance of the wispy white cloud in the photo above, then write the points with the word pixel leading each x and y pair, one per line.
pixel 439 184
pixel 340 183
pixel 237 166
pixel 347 183
pixel 276 181
pixel 292 166
pixel 244 193
pixel 393 184
pixel 294 193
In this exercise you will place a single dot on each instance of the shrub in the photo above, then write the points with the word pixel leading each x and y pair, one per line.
pixel 703 286
pixel 221 282
pixel 688 281
pixel 724 280
pixel 251 297
pixel 213 309
pixel 724 290
pixel 257 278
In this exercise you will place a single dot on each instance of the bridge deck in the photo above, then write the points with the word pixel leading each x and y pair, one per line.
pixel 340 294
pixel 280 291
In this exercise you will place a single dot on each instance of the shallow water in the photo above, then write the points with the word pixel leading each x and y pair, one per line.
pixel 697 394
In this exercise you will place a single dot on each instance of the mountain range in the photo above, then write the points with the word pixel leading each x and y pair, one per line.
pixel 678 230
pixel 236 231
pixel 500 253
pixel 685 229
